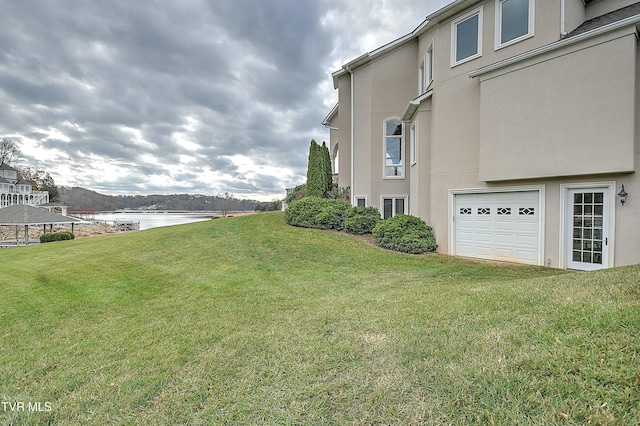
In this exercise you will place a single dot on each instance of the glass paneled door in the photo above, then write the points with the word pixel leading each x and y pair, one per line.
pixel 588 228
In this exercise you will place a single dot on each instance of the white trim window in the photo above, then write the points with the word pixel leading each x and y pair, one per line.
pixel 361 201
pixel 391 205
pixel 429 66
pixel 413 154
pixel 393 149
pixel 514 21
pixel 466 37
pixel 422 77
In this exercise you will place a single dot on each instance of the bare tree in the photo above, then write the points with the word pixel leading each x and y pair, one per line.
pixel 226 203
pixel 9 152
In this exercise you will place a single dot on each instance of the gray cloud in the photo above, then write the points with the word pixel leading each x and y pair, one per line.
pixel 191 96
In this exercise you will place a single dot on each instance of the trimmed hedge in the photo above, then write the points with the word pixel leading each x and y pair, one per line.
pixel 56 236
pixel 316 212
pixel 407 234
pixel 361 220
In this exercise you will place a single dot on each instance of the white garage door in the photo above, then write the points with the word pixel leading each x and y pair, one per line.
pixel 498 226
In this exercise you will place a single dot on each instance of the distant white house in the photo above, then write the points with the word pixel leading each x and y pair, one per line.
pixel 16 190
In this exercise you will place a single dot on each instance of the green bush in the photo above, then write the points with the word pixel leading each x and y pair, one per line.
pixel 361 220
pixel 408 234
pixel 298 193
pixel 56 236
pixel 316 212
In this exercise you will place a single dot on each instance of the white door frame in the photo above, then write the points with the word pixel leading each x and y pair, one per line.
pixel 522 188
pixel 609 232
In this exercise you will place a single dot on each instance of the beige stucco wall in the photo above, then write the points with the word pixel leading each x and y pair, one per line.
pixel 560 124
pixel 600 7
pixel 455 129
pixel 552 134
pixel 343 134
pixel 574 15
pixel 382 89
pixel 420 172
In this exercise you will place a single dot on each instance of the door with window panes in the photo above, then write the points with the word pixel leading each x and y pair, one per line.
pixel 588 229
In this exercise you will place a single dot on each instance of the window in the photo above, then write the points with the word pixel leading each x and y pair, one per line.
pixel 421 78
pixel 429 66
pixel 336 159
pixel 393 161
pixel 361 201
pixel 514 21
pixel 412 141
pixel 392 206
pixel 466 40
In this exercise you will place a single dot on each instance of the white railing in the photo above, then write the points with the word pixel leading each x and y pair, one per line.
pixel 33 198
pixel 39 197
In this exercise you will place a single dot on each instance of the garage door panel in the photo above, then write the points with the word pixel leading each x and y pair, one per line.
pixel 504 239
pixel 527 226
pixel 484 225
pixel 484 237
pixel 485 252
pixel 527 241
pixel 501 226
pixel 505 225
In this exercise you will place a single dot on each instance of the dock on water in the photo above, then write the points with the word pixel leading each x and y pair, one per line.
pixel 126 225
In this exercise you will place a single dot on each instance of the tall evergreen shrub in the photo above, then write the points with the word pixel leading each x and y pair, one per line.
pixel 327 167
pixel 316 176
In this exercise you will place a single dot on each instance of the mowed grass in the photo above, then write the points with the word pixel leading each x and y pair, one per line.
pixel 248 321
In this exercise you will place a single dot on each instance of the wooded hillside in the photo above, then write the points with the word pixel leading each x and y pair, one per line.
pixel 83 199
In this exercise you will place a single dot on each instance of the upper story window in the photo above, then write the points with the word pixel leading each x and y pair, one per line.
pixel 429 66
pixel 466 37
pixel 514 21
pixel 393 149
pixel 422 78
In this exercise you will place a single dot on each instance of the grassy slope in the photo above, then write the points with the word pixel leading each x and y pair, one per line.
pixel 247 320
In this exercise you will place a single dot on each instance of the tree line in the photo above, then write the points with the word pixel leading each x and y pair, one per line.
pixel 84 199
pixel 77 198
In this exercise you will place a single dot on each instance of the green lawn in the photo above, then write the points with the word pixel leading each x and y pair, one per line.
pixel 248 321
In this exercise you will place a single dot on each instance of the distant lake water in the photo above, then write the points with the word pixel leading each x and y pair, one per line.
pixel 156 219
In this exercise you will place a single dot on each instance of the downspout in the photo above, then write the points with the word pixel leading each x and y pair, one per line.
pixel 352 136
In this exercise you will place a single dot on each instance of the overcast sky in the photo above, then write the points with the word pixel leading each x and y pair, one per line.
pixel 188 96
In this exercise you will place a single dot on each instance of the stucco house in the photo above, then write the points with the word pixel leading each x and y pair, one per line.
pixel 16 190
pixel 510 126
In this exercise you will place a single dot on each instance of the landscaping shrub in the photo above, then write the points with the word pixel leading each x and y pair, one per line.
pixel 361 220
pixel 316 212
pixel 56 236
pixel 298 193
pixel 408 234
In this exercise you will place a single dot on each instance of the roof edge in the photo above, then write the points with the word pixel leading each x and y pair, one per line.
pixel 412 107
pixel 331 115
pixel 556 45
